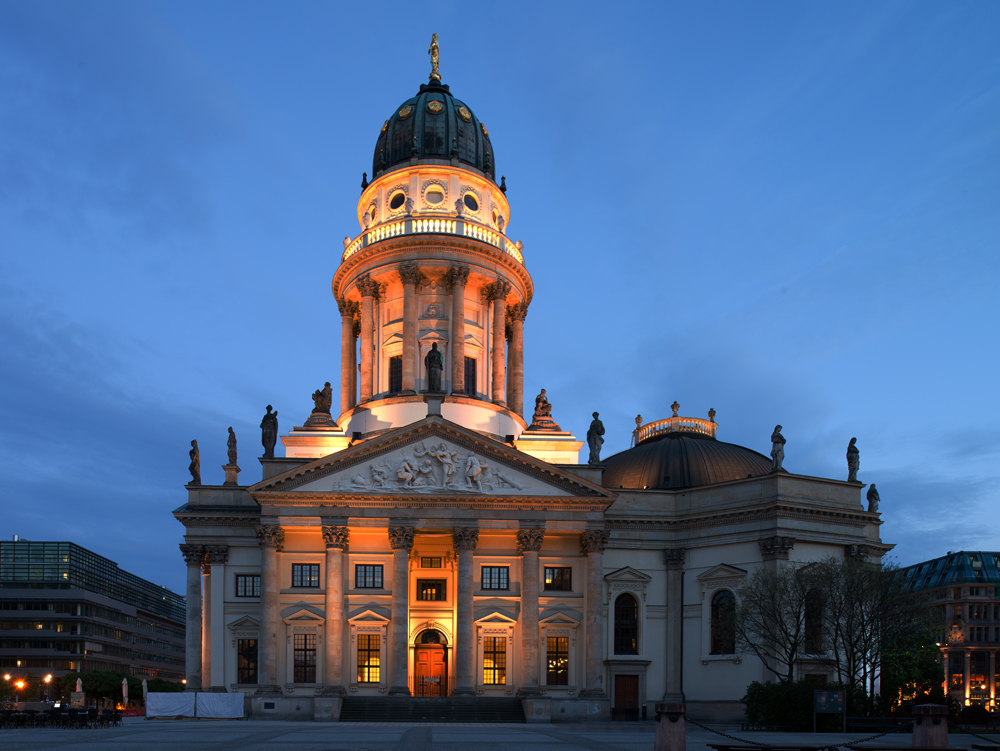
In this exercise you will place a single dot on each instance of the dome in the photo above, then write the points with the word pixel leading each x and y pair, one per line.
pixel 434 126
pixel 678 457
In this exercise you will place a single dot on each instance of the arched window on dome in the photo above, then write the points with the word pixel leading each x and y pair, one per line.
pixel 626 625
pixel 813 622
pixel 724 623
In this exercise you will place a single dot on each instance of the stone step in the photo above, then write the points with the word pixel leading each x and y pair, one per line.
pixel 448 709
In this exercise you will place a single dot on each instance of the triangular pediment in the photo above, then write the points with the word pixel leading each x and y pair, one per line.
pixel 246 623
pixel 496 617
pixel 563 616
pixel 627 574
pixel 302 614
pixel 432 459
pixel 367 615
pixel 722 571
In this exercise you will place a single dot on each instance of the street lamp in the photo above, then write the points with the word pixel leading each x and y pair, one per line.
pixel 48 680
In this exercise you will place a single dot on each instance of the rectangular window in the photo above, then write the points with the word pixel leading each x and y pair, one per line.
pixel 496 577
pixel 305 574
pixel 559 578
pixel 368 658
pixel 470 376
pixel 305 658
pixel 248 585
pixel 557 658
pixel 430 563
pixel 956 666
pixel 368 577
pixel 246 660
pixel 395 374
pixel 431 590
pixel 494 660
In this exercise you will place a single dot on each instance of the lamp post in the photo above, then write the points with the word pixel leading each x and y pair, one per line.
pixel 48 680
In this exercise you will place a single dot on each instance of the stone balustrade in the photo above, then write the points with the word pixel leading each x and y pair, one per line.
pixel 676 425
pixel 435 225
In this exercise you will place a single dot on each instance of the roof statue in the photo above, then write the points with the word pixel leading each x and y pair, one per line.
pixel 435 59
pixel 542 419
pixel 195 466
pixel 231 446
pixel 777 449
pixel 269 432
pixel 853 461
pixel 595 439
pixel 873 499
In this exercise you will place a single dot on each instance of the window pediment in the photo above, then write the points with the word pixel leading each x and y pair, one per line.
pixel 722 576
pixel 627 579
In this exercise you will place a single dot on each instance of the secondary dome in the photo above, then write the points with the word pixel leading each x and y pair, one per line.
pixel 681 452
pixel 434 126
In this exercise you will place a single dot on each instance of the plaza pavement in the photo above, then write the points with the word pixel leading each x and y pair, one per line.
pixel 233 735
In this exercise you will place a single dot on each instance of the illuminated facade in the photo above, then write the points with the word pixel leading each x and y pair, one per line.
pixel 428 541
pixel 964 588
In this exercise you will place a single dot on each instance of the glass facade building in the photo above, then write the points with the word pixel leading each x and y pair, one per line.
pixel 66 609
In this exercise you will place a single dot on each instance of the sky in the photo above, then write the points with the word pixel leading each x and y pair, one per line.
pixel 786 211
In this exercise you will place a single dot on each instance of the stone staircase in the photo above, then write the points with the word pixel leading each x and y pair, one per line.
pixel 448 709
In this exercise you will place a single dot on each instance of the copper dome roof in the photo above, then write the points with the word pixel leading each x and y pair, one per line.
pixel 677 460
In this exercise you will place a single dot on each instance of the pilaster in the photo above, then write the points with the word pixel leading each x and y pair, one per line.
pixel 336 539
pixel 674 561
pixel 529 543
pixel 465 540
pixel 401 542
pixel 271 539
pixel 592 544
pixel 193 557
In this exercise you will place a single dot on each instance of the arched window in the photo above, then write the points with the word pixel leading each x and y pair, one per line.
pixel 813 618
pixel 724 623
pixel 626 625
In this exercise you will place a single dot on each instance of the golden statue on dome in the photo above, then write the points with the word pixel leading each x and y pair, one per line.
pixel 435 59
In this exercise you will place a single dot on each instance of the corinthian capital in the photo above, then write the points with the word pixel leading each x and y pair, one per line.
pixel 270 536
pixel 348 308
pixel 674 557
pixel 517 312
pixel 217 553
pixel 530 540
pixel 336 537
pixel 498 290
pixel 594 540
pixel 401 538
pixel 457 276
pixel 410 274
pixel 465 538
pixel 193 554
pixel 775 548
pixel 368 287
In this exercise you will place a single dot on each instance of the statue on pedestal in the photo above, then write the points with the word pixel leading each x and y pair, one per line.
pixel 231 445
pixel 777 449
pixel 435 54
pixel 195 466
pixel 435 364
pixel 873 498
pixel 853 461
pixel 269 432
pixel 323 400
pixel 595 439
pixel 542 419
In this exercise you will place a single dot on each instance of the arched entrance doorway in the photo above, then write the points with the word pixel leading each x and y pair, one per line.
pixel 430 675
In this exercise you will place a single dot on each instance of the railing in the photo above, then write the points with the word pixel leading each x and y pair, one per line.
pixel 427 686
pixel 441 226
pixel 676 425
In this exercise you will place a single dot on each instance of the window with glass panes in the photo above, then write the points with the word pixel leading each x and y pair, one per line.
pixel 496 577
pixel 369 660
pixel 470 376
pixel 426 562
pixel 431 589
pixel 368 576
pixel 494 660
pixel 246 661
pixel 305 658
pixel 395 374
pixel 305 574
pixel 557 660
pixel 248 585
pixel 559 578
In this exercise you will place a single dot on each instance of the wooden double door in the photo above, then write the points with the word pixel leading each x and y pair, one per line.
pixel 430 670
pixel 626 706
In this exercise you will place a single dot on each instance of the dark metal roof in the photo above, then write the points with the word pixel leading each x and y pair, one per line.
pixel 682 460
pixel 963 567
pixel 434 126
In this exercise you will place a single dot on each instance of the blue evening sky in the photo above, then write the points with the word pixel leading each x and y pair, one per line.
pixel 786 211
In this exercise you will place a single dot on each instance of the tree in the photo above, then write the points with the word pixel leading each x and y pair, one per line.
pixel 770 618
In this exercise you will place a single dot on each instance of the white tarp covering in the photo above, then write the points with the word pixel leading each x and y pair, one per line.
pixel 220 705
pixel 173 704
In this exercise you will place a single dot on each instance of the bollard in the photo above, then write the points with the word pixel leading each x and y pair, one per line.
pixel 670 727
pixel 930 726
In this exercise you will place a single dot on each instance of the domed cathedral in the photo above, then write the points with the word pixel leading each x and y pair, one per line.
pixel 425 541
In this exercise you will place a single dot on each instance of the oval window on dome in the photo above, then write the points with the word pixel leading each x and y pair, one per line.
pixel 435 106
pixel 405 112
pixel 471 202
pixel 397 200
pixel 464 113
pixel 434 196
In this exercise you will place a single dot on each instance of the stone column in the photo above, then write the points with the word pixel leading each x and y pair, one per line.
pixel 592 543
pixel 529 542
pixel 410 276
pixel 515 369
pixel 465 540
pixel 336 539
pixel 193 556
pixel 497 293
pixel 217 556
pixel 674 560
pixel 401 542
pixel 353 401
pixel 271 539
pixel 206 623
pixel 968 668
pixel 369 290
pixel 458 276
pixel 348 310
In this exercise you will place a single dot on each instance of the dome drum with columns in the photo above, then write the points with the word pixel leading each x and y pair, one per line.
pixel 423 540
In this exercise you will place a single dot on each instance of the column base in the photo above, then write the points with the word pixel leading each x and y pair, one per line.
pixel 333 691
pixel 674 698
pixel 268 691
pixel 399 691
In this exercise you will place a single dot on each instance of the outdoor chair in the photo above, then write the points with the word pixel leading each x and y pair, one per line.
pixel 7 718
pixel 105 719
pixel 73 718
pixel 30 716
pixel 117 719
pixel 92 717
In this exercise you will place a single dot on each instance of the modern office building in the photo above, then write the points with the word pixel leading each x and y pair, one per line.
pixel 66 609
pixel 964 588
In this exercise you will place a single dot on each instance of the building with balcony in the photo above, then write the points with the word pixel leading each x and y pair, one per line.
pixel 964 589
pixel 431 537
pixel 65 609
